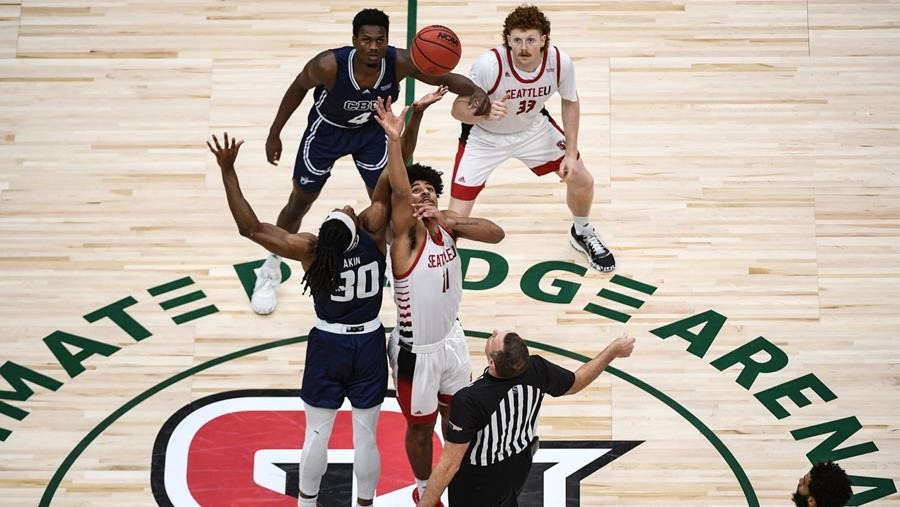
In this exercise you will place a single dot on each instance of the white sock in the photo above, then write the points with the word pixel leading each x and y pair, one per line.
pixel 582 225
pixel 421 484
pixel 307 502
pixel 273 262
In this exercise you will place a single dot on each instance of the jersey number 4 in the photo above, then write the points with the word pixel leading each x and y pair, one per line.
pixel 359 284
pixel 525 106
pixel 364 117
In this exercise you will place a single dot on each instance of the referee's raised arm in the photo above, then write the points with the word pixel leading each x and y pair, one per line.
pixel 622 346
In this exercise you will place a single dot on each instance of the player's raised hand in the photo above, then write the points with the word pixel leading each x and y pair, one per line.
pixel 225 156
pixel 428 211
pixel 391 123
pixel 273 148
pixel 420 105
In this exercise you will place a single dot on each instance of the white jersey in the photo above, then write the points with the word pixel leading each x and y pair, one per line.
pixel 525 92
pixel 428 295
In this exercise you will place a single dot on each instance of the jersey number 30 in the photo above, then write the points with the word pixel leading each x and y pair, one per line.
pixel 358 284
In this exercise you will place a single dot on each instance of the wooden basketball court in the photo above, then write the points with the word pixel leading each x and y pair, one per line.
pixel 746 162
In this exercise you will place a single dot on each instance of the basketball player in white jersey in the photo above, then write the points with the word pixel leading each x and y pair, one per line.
pixel 520 76
pixel 427 349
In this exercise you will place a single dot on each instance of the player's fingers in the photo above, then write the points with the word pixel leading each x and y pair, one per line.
pixel 216 140
pixel 237 147
pixel 210 147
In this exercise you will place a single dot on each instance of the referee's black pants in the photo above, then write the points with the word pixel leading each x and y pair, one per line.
pixel 496 485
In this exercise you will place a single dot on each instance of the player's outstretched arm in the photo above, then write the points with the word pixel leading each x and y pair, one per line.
pixel 456 83
pixel 475 229
pixel 321 70
pixel 463 112
pixel 404 224
pixel 622 346
pixel 300 247
pixel 375 218
pixel 411 132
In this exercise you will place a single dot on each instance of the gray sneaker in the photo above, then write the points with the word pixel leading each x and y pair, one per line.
pixel 598 256
pixel 265 297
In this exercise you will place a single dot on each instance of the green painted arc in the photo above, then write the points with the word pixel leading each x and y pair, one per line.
pixel 66 465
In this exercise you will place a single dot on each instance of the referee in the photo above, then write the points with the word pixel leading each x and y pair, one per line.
pixel 491 434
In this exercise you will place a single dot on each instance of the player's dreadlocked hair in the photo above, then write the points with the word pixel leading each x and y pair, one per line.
pixel 526 17
pixel 324 275
pixel 370 17
pixel 419 172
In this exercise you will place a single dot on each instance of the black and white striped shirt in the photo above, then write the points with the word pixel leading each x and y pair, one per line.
pixel 498 417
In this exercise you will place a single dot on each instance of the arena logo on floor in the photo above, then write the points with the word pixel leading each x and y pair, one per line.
pixel 547 282
pixel 243 447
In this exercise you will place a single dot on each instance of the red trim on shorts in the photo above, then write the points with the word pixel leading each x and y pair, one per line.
pixel 460 150
pixel 458 190
pixel 499 71
pixel 512 67
pixel 445 399
pixel 413 266
pixel 404 395
pixel 465 193
pixel 547 167
pixel 558 66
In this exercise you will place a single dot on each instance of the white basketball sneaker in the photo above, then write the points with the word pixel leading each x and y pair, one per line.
pixel 265 295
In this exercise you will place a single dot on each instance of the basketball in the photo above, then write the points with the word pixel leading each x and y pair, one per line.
pixel 435 50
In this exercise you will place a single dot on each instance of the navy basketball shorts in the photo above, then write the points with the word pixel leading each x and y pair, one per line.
pixel 322 144
pixel 345 365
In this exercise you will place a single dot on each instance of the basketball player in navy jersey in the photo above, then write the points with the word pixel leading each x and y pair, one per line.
pixel 520 75
pixel 427 349
pixel 347 81
pixel 345 355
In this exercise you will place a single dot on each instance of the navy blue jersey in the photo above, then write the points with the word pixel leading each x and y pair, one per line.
pixel 346 104
pixel 358 299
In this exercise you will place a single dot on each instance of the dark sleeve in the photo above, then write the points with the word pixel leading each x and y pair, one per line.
pixel 556 380
pixel 464 418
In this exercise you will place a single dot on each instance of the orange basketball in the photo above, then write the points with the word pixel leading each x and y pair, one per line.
pixel 435 50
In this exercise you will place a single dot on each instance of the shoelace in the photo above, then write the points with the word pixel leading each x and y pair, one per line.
pixel 593 242
pixel 266 276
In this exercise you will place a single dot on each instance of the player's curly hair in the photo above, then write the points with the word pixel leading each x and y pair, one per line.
pixel 324 275
pixel 370 17
pixel 526 17
pixel 828 484
pixel 419 172
pixel 513 359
